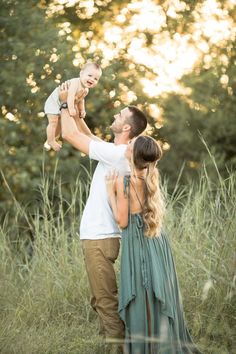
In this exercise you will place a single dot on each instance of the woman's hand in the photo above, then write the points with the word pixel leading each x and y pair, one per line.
pixel 111 179
pixel 117 199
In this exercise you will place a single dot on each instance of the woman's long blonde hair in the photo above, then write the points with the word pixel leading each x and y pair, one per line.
pixel 146 153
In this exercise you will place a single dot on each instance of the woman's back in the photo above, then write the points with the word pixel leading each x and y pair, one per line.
pixel 136 194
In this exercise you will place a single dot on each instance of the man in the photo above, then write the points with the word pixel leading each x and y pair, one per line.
pixel 99 232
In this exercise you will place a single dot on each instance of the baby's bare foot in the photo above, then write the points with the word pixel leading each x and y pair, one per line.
pixel 52 145
pixel 55 146
pixel 47 146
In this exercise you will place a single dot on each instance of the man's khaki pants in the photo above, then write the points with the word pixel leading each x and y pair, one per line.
pixel 100 256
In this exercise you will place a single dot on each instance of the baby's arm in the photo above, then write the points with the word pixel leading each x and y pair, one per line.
pixel 81 108
pixel 81 104
pixel 71 96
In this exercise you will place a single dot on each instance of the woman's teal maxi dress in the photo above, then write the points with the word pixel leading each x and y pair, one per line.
pixel 149 301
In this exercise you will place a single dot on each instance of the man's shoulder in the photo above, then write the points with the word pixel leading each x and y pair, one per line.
pixel 111 145
pixel 120 147
pixel 106 151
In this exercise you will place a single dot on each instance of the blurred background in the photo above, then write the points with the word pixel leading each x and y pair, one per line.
pixel 174 59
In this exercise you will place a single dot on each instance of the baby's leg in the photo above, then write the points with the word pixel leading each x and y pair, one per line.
pixel 51 132
pixel 58 129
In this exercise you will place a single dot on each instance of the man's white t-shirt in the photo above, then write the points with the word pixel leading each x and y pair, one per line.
pixel 97 220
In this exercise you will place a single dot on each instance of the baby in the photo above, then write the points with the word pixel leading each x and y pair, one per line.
pixel 78 89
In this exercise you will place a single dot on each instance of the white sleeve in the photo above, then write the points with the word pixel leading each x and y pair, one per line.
pixel 105 152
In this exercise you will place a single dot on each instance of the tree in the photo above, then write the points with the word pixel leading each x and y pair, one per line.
pixel 33 62
pixel 205 116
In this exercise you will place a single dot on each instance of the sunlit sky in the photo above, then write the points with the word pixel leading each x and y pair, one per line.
pixel 168 57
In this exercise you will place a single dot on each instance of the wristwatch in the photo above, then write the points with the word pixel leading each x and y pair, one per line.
pixel 63 105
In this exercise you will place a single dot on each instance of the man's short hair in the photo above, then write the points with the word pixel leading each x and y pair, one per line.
pixel 137 121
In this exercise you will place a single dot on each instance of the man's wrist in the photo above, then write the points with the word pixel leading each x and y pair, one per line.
pixel 63 105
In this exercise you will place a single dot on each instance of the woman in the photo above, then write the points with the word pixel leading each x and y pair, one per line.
pixel 150 302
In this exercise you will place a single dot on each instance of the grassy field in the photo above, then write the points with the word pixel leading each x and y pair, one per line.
pixel 44 295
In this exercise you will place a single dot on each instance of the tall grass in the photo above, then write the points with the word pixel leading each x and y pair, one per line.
pixel 44 295
pixel 201 221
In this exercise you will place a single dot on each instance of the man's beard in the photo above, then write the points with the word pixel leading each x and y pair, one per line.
pixel 114 129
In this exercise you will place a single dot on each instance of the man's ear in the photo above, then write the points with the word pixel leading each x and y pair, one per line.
pixel 126 128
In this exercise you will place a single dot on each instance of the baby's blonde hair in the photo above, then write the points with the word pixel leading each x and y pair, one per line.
pixel 92 63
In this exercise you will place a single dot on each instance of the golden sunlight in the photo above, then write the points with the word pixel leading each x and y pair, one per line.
pixel 169 57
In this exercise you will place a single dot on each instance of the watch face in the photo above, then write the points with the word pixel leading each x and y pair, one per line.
pixel 64 105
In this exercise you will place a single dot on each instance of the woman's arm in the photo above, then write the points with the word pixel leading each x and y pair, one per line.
pixel 117 198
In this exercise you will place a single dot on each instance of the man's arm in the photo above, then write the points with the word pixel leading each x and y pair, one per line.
pixel 71 96
pixel 100 151
pixel 81 125
pixel 71 133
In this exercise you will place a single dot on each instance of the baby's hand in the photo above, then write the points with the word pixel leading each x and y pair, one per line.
pixel 82 114
pixel 72 112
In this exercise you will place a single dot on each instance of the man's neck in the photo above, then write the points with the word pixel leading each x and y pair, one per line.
pixel 121 139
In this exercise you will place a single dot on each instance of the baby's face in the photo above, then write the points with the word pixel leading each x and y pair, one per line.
pixel 90 76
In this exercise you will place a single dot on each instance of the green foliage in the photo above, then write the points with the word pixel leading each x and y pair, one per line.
pixel 208 114
pixel 29 41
